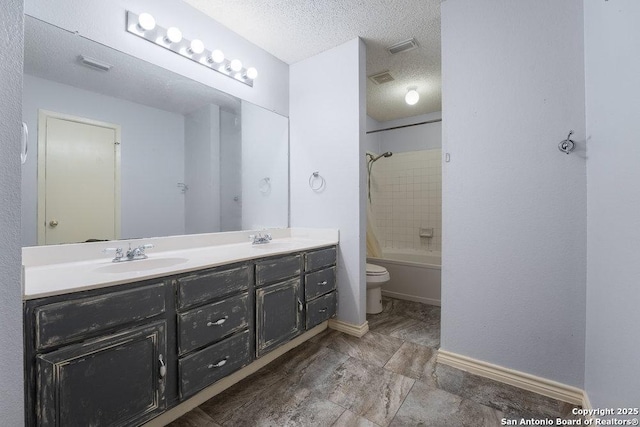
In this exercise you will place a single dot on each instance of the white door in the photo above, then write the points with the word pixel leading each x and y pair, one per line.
pixel 78 180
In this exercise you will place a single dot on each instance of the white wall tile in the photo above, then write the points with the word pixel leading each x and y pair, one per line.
pixel 406 193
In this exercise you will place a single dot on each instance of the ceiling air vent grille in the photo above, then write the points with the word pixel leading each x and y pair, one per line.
pixel 403 46
pixel 381 78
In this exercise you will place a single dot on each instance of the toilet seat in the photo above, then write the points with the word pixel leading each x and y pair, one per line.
pixel 377 274
pixel 375 270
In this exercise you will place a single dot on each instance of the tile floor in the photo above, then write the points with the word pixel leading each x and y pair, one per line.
pixel 386 378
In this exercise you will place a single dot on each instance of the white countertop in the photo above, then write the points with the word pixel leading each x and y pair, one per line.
pixel 52 270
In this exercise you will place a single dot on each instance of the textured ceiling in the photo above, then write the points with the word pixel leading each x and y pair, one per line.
pixel 52 53
pixel 293 30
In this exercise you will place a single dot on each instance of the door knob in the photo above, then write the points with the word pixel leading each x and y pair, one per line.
pixel 53 223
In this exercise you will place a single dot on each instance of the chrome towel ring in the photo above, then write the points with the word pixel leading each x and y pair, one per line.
pixel 264 185
pixel 317 182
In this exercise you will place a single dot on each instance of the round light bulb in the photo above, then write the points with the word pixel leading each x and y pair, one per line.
pixel 146 21
pixel 197 46
pixel 217 56
pixel 412 97
pixel 174 35
pixel 236 65
pixel 252 73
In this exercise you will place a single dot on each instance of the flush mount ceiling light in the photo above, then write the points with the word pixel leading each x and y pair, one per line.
pixel 144 26
pixel 412 97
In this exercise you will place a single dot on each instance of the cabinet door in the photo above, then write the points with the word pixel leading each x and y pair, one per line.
pixel 115 380
pixel 278 314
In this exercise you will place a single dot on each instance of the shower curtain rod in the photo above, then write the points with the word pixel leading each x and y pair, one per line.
pixel 406 126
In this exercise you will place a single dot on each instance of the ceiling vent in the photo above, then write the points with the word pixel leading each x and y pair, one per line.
pixel 403 46
pixel 381 78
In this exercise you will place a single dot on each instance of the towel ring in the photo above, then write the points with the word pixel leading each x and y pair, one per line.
pixel 264 185
pixel 317 182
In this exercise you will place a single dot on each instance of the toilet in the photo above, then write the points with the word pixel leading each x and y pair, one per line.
pixel 376 277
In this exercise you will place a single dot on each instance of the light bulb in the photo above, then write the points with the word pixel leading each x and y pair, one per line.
pixel 216 56
pixel 236 65
pixel 197 46
pixel 412 97
pixel 146 22
pixel 174 35
pixel 252 73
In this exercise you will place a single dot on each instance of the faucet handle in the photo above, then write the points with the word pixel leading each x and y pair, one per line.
pixel 116 250
pixel 118 253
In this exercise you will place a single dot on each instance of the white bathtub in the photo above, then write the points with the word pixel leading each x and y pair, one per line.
pixel 415 276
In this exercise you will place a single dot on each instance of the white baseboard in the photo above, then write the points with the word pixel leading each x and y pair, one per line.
pixel 349 328
pixel 217 388
pixel 398 295
pixel 539 385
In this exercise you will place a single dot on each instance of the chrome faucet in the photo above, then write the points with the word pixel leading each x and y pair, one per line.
pixel 131 254
pixel 260 239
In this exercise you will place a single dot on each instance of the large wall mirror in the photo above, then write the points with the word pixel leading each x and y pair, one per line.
pixel 121 148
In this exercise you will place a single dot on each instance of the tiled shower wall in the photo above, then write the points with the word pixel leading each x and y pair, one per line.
pixel 406 194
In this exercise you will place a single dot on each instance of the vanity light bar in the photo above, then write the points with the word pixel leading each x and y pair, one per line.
pixel 144 26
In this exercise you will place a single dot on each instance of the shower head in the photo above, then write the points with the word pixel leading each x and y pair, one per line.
pixel 373 159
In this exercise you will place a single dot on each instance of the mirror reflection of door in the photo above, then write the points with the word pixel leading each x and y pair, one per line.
pixel 78 179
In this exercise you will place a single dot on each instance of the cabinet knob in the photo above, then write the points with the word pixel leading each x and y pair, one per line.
pixel 53 223
pixel 324 282
pixel 322 310
pixel 218 322
pixel 300 306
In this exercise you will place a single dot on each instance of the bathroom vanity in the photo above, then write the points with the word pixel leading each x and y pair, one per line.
pixel 120 352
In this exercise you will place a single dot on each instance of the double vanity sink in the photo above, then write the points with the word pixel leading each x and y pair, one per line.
pixel 156 333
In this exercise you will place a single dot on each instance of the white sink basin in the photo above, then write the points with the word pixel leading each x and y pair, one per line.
pixel 140 265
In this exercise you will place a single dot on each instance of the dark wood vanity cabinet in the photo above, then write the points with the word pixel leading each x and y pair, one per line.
pixel 98 357
pixel 294 293
pixel 121 355
pixel 214 325
pixel 279 307
pixel 320 286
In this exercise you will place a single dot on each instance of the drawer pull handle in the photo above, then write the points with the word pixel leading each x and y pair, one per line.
pixel 322 310
pixel 163 367
pixel 324 282
pixel 220 364
pixel 218 322
pixel 300 306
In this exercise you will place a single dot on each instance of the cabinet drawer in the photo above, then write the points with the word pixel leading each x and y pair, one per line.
pixel 76 319
pixel 273 270
pixel 208 365
pixel 200 288
pixel 321 309
pixel 318 259
pixel 319 283
pixel 201 326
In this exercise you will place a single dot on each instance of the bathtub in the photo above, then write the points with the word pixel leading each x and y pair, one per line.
pixel 415 276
